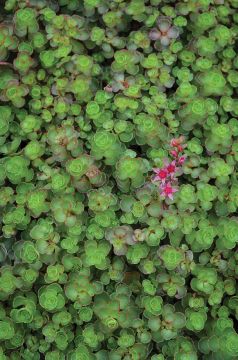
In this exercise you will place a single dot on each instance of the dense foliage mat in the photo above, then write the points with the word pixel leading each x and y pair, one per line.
pixel 118 174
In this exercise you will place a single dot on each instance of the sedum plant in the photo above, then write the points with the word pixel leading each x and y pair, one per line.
pixel 118 180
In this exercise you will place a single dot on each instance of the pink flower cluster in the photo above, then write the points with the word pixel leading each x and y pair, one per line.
pixel 166 177
pixel 119 83
pixel 165 32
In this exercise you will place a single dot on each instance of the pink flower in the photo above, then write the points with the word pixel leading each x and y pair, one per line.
pixel 166 177
pixel 154 34
pixel 174 153
pixel 176 142
pixel 161 174
pixel 181 159
pixel 108 88
pixel 167 190
pixel 171 167
pixel 165 32
pixel 180 148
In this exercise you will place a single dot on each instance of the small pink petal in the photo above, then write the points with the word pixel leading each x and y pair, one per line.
pixel 108 88
pixel 156 178
pixel 167 190
pixel 164 40
pixel 174 142
pixel 174 153
pixel 177 141
pixel 180 148
pixel 164 23
pixel 181 159
pixel 171 168
pixel 173 32
pixel 154 34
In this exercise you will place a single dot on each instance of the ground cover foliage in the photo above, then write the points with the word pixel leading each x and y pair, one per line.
pixel 118 174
